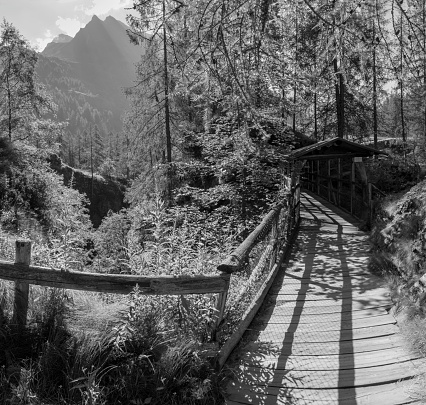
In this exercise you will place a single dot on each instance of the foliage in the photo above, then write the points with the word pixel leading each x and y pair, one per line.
pixel 392 175
pixel 141 360
pixel 21 98
pixel 35 201
pixel 151 239
pixel 111 243
pixel 398 238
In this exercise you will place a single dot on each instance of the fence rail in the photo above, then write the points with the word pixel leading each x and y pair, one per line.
pixel 113 283
pixel 276 229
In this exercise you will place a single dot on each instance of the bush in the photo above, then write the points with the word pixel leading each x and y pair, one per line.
pixel 392 175
pixel 141 360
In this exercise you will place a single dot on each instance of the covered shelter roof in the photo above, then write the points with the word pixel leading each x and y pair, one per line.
pixel 333 148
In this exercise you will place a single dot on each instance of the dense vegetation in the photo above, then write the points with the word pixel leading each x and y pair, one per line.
pixel 224 91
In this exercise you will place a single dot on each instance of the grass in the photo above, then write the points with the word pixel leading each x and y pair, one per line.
pixel 86 348
pixel 89 348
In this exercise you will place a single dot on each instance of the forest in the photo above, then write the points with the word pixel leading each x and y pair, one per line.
pixel 225 90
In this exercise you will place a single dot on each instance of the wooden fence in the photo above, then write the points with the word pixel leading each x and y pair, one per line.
pixel 277 229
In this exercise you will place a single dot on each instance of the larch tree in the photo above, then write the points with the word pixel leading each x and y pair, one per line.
pixel 151 115
pixel 21 98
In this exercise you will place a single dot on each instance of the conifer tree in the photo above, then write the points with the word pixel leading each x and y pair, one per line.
pixel 21 98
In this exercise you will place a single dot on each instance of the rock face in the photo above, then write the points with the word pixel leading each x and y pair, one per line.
pixel 104 194
pixel 101 56
pixel 87 75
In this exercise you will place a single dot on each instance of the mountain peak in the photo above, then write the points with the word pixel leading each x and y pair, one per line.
pixel 62 39
pixel 95 18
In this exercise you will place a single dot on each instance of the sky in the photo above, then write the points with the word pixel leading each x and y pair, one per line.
pixel 39 21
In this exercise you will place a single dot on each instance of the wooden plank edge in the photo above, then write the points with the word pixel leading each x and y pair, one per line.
pixel 255 305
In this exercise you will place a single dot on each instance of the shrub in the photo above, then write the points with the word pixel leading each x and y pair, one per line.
pixel 392 175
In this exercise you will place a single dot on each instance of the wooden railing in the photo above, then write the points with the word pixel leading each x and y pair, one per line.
pixel 276 230
pixel 24 274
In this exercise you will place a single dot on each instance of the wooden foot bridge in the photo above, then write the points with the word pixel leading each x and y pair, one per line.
pixel 318 328
pixel 324 334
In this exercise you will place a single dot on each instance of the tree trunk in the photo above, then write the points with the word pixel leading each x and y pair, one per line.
pixel 315 115
pixel 374 87
pixel 401 86
pixel 340 98
pixel 9 110
pixel 166 104
pixel 91 159
pixel 295 72
pixel 339 83
pixel 424 67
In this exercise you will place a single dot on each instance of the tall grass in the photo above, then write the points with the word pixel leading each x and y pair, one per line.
pixel 135 354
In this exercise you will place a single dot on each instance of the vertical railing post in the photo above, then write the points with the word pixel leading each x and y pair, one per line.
pixel 220 307
pixel 329 179
pixel 370 204
pixel 318 177
pixel 20 309
pixel 339 182
pixel 297 204
pixel 352 185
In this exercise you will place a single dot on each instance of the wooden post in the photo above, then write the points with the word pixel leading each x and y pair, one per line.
pixel 339 181
pixel 329 179
pixel 370 205
pixel 318 177
pixel 220 307
pixel 20 309
pixel 297 216
pixel 352 183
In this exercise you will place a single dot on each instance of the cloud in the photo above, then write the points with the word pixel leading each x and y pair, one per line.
pixel 103 7
pixel 40 43
pixel 69 25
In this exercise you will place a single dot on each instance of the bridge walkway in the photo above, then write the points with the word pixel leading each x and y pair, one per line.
pixel 325 334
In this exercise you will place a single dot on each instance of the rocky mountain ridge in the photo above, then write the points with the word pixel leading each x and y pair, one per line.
pixel 86 76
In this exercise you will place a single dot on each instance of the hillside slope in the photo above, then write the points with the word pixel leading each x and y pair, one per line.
pixel 399 238
pixel 87 75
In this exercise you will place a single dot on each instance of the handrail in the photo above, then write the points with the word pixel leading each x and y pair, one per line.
pixel 24 274
pixel 236 259
pixel 282 223
pixel 278 227
pixel 377 190
pixel 114 283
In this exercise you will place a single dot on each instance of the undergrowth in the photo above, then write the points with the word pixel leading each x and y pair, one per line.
pixel 142 358
pixel 398 242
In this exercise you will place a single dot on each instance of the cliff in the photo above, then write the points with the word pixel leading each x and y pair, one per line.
pixel 104 194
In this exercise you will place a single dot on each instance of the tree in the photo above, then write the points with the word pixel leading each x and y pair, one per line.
pixel 156 19
pixel 21 98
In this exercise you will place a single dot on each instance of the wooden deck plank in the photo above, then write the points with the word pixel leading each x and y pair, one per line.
pixel 312 314
pixel 329 303
pixel 319 292
pixel 324 334
pixel 329 379
pixel 268 358
pixel 324 325
pixel 274 333
pixel 288 347
pixel 396 393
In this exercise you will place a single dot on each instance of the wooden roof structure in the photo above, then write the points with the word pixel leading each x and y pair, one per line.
pixel 331 149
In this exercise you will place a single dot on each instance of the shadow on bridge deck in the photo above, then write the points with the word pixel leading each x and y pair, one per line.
pixel 324 334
